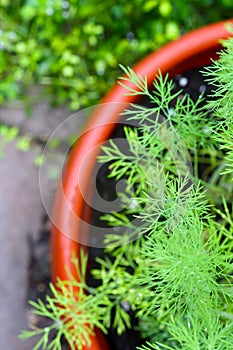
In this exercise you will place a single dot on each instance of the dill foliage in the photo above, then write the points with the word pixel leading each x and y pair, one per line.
pixel 173 264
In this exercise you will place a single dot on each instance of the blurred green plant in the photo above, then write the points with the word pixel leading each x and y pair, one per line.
pixel 22 142
pixel 73 47
pixel 9 134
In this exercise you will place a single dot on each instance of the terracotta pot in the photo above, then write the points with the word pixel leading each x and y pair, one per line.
pixel 192 50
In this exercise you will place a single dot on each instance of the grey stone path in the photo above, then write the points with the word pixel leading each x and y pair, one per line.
pixel 20 211
pixel 20 216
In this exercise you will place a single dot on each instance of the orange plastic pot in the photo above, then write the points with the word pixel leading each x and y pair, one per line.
pixel 192 50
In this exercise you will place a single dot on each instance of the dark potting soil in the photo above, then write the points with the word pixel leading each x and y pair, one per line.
pixel 191 82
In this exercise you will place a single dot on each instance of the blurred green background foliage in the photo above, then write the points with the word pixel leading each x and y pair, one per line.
pixel 73 47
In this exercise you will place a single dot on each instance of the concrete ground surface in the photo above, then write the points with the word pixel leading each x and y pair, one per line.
pixel 21 212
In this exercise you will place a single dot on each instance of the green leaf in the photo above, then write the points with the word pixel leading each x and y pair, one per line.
pixel 23 143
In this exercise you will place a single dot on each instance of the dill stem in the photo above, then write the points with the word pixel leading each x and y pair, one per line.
pixel 195 165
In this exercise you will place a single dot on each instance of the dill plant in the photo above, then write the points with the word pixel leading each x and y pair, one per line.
pixel 173 265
